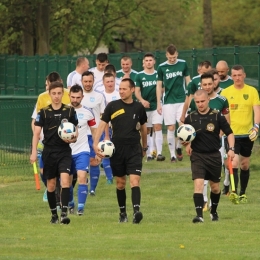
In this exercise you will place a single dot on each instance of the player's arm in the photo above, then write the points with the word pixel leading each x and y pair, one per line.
pixel 253 132
pixel 93 132
pixel 35 140
pixel 187 80
pixel 101 128
pixel 143 131
pixel 32 124
pixel 138 95
pixel 159 96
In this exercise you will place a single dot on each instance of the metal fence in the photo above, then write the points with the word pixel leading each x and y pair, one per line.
pixel 25 75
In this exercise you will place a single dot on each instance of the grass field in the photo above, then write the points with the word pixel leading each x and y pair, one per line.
pixel 166 232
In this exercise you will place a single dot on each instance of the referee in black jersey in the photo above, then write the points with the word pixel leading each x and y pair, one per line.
pixel 56 153
pixel 128 119
pixel 204 152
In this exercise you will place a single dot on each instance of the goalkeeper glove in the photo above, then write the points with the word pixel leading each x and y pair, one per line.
pixel 253 132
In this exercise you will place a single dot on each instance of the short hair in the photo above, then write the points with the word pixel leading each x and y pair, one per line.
pixel 238 67
pixel 201 92
pixel 213 72
pixel 206 75
pixel 149 54
pixel 171 49
pixel 55 84
pixel 53 76
pixel 102 57
pixel 80 60
pixel 131 82
pixel 108 75
pixel 126 58
pixel 110 68
pixel 205 64
pixel 87 73
pixel 76 88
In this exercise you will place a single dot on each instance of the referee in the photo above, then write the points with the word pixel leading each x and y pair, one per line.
pixel 56 153
pixel 204 152
pixel 128 119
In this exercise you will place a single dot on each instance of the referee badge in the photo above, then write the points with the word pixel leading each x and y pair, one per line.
pixel 138 126
pixel 210 127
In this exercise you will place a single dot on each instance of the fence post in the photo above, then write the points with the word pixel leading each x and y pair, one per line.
pixel 215 56
pixel 194 62
pixel 37 72
pixel 236 54
pixel 140 60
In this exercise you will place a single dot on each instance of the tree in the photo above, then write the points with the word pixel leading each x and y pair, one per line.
pixel 207 21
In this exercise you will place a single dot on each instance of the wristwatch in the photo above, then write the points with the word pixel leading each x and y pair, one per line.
pixel 231 148
pixel 145 149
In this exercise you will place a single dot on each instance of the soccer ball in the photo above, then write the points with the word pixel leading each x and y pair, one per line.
pixel 107 148
pixel 67 131
pixel 186 133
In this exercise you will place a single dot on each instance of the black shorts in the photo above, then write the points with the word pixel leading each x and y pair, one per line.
pixel 206 166
pixel 243 146
pixel 127 160
pixel 56 162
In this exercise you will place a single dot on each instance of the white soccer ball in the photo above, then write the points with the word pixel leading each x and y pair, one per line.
pixel 186 133
pixel 67 131
pixel 107 148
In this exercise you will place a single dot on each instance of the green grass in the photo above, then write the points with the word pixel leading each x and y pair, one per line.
pixel 167 205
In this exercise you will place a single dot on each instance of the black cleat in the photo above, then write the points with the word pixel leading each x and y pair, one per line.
pixel 149 158
pixel 160 158
pixel 214 216
pixel 173 160
pixel 179 154
pixel 80 212
pixel 64 219
pixel 54 219
pixel 198 219
pixel 92 193
pixel 225 190
pixel 138 216
pixel 123 217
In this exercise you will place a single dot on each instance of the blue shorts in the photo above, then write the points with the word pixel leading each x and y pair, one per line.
pixel 90 142
pixel 40 162
pixel 80 161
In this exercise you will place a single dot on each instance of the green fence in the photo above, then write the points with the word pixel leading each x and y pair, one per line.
pixel 22 75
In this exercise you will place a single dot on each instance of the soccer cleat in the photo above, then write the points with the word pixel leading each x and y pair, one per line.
pixel 80 212
pixel 149 158
pixel 214 216
pixel 198 219
pixel 225 190
pixel 45 198
pixel 92 193
pixel 137 217
pixel 154 153
pixel 173 160
pixel 179 154
pixel 54 219
pixel 110 181
pixel 243 198
pixel 205 207
pixel 64 219
pixel 123 217
pixel 160 158
pixel 71 210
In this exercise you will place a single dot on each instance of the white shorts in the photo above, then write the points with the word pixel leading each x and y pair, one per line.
pixel 172 113
pixel 153 118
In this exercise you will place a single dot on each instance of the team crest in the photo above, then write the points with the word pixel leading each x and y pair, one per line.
pixel 245 96
pixel 80 116
pixel 92 99
pixel 64 120
pixel 210 127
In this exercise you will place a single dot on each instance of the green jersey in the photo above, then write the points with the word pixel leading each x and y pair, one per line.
pixel 193 86
pixel 147 84
pixel 173 78
pixel 226 83
pixel 120 74
pixel 218 103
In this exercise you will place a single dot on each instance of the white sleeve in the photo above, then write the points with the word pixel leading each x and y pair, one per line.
pixel 34 114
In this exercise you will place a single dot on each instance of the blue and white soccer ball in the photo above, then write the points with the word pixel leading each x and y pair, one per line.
pixel 107 148
pixel 67 131
pixel 186 133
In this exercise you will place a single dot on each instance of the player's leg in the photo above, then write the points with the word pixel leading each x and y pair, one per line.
pixel 82 167
pixel 94 170
pixel 205 195
pixel 149 126
pixel 157 123
pixel 179 109
pixel 119 172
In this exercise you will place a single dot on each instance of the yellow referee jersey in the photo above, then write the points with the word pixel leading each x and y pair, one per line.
pixel 241 102
pixel 44 99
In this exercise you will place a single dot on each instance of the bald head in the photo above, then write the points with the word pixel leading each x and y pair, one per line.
pixel 201 99
pixel 222 68
pixel 201 92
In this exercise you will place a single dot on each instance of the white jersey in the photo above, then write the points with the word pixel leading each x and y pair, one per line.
pixel 69 78
pixel 86 119
pixel 34 115
pixel 76 79
pixel 111 96
pixel 96 101
pixel 99 86
pixel 98 75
